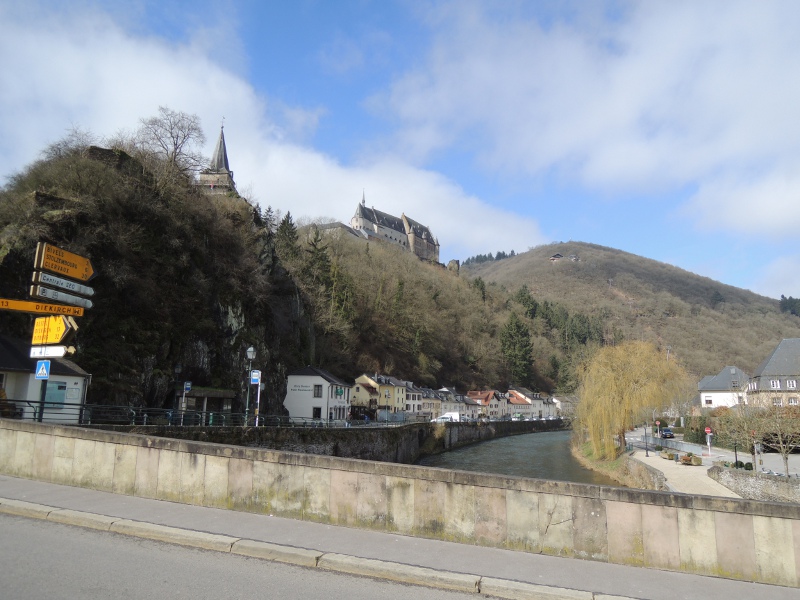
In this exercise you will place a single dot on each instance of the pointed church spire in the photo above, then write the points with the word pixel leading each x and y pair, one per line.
pixel 218 177
pixel 363 197
pixel 219 160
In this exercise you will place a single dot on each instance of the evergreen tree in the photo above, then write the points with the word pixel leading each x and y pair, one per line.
pixel 515 344
pixel 286 238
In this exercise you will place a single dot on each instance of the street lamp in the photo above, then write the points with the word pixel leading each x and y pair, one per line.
pixel 646 453
pixel 251 355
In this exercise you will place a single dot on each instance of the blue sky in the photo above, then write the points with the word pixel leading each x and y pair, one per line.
pixel 665 129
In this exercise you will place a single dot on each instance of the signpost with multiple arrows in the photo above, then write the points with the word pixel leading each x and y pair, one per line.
pixel 51 334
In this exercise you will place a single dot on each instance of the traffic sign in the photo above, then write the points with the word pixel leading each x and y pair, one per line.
pixel 64 284
pixel 54 259
pixel 51 351
pixel 53 330
pixel 37 291
pixel 46 308
pixel 255 377
pixel 708 429
pixel 43 369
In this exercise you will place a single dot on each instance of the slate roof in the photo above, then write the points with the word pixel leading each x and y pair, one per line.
pixel 312 371
pixel 784 360
pixel 381 218
pixel 724 380
pixel 420 230
pixel 219 160
pixel 15 356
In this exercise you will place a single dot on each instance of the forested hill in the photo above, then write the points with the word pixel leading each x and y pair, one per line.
pixel 707 324
pixel 191 280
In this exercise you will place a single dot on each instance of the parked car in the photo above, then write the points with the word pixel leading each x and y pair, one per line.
pixel 667 433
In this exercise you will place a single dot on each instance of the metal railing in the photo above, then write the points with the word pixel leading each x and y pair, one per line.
pixel 100 414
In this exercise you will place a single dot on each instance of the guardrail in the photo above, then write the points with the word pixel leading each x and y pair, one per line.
pixel 101 414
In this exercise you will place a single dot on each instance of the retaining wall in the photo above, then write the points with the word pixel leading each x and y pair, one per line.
pixel 757 486
pixel 758 541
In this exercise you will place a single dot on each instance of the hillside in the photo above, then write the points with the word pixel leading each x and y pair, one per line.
pixel 707 324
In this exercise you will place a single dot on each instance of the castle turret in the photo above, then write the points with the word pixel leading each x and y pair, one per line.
pixel 218 177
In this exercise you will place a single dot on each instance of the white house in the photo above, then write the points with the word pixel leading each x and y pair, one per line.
pixel 21 393
pixel 313 393
pixel 726 388
pixel 541 407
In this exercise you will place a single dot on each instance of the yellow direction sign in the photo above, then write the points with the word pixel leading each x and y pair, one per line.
pixel 45 308
pixel 53 330
pixel 54 259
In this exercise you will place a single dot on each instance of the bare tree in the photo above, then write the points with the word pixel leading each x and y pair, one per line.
pixel 779 429
pixel 175 137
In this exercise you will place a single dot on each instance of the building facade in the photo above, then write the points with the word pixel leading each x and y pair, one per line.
pixel 313 393
pixel 726 388
pixel 401 231
pixel 775 381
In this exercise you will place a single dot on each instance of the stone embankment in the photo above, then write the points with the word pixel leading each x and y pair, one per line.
pixel 757 486
pixel 403 444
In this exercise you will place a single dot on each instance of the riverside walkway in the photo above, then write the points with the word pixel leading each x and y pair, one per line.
pixel 694 479
pixel 487 572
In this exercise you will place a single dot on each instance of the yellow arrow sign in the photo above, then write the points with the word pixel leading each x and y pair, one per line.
pixel 54 259
pixel 47 308
pixel 52 330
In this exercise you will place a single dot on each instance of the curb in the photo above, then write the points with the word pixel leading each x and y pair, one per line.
pixel 340 563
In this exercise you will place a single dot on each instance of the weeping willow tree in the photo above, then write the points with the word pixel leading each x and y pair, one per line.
pixel 618 386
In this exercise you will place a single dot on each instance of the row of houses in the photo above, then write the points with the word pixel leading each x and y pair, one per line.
pixel 313 393
pixel 773 383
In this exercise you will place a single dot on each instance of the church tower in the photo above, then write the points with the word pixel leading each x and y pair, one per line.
pixel 218 177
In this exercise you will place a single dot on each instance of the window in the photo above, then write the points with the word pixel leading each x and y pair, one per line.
pixel 356 388
pixel 317 391
pixel 316 412
pixel 775 384
pixel 56 394
pixel 734 383
pixel 791 384
pixel 777 402
pixel 792 401
pixel 708 400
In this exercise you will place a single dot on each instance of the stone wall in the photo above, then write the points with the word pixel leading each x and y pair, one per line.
pixel 740 539
pixel 757 486
pixel 404 444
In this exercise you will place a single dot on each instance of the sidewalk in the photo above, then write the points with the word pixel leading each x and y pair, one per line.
pixel 691 479
pixel 491 571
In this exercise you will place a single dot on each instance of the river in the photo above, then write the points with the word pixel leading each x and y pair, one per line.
pixel 543 455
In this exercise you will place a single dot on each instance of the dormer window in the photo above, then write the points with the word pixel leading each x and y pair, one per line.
pixel 775 384
pixel 791 384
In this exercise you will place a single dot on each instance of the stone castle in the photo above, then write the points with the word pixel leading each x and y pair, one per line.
pixel 369 223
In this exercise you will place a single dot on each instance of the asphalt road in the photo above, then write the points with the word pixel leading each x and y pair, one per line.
pixel 40 559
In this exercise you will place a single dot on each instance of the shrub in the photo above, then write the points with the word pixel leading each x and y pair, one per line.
pixel 659 448
pixel 748 466
pixel 738 465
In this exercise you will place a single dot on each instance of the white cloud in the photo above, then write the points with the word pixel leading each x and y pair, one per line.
pixel 82 68
pixel 781 276
pixel 656 98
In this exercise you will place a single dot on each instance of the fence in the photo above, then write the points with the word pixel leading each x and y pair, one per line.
pixel 100 414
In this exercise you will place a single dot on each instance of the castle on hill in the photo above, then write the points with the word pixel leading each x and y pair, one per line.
pixel 369 223
pixel 404 232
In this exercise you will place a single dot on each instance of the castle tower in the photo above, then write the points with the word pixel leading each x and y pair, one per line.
pixel 218 177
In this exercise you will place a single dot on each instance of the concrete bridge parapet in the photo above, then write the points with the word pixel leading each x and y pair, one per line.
pixel 740 539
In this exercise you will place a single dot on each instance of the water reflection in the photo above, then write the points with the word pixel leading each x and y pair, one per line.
pixel 539 455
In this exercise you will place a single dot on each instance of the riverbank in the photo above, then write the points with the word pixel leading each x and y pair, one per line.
pixel 624 470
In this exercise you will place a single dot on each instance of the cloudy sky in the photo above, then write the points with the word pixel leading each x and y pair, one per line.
pixel 666 129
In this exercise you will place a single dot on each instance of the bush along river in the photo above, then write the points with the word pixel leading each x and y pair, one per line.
pixel 543 455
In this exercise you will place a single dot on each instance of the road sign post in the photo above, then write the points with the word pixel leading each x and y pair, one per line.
pixel 42 308
pixel 255 379
pixel 54 259
pixel 43 373
pixel 53 330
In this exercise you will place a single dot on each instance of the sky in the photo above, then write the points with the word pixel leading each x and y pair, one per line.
pixel 668 129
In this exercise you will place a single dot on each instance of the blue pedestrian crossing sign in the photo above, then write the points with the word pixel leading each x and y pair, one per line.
pixel 42 369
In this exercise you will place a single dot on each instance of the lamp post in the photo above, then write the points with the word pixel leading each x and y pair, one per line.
pixel 646 453
pixel 251 355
